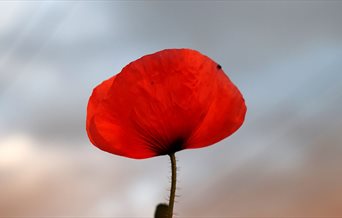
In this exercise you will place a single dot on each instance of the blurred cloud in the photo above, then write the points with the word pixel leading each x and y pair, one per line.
pixel 284 56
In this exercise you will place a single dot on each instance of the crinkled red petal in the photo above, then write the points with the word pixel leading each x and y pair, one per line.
pixel 162 103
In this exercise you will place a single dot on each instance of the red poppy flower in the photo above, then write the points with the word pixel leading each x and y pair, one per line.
pixel 164 102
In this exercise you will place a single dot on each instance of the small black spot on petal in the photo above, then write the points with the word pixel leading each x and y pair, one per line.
pixel 219 67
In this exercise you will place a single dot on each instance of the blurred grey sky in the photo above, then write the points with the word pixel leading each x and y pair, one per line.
pixel 285 56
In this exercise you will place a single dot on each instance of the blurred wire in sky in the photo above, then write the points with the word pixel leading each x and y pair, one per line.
pixel 30 32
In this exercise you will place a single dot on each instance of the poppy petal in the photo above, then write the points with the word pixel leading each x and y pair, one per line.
pixel 225 115
pixel 162 103
pixel 105 131
pixel 162 97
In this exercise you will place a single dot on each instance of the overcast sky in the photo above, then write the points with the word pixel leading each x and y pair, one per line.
pixel 285 57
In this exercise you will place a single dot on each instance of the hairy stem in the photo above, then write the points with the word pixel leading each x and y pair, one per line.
pixel 173 184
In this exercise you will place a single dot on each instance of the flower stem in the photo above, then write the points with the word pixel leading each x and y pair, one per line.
pixel 173 184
